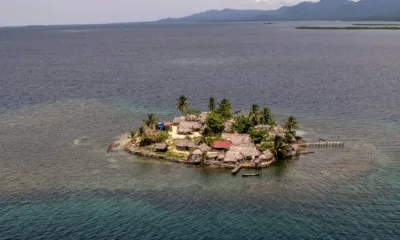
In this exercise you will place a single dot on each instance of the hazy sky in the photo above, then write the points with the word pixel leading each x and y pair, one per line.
pixel 31 12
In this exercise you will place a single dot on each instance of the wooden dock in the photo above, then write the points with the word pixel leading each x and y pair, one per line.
pixel 324 144
pixel 236 170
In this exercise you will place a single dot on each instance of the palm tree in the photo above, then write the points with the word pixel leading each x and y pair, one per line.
pixel 280 149
pixel 266 116
pixel 142 131
pixel 211 104
pixel 225 108
pixel 183 104
pixel 254 115
pixel 291 124
pixel 151 121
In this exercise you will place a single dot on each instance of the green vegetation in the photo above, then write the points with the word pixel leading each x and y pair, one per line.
pixel 365 27
pixel 172 154
pixel 215 123
pixel 151 121
pixel 266 116
pixel 242 125
pixel 147 140
pixel 182 104
pixel 291 124
pixel 225 109
pixel 258 135
pixel 279 149
pixel 192 111
pixel 211 104
pixel 254 115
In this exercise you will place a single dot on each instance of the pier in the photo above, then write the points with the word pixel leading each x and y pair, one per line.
pixel 236 170
pixel 324 144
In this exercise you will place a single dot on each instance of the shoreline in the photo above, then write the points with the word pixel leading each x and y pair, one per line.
pixel 354 27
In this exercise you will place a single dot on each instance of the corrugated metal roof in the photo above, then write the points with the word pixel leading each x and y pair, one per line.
pixel 221 144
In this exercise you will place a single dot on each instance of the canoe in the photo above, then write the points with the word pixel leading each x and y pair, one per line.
pixel 251 175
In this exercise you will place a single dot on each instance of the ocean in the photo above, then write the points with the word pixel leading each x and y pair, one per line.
pixel 67 92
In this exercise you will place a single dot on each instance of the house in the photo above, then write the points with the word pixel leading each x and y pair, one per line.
pixel 221 145
pixel 185 145
pixel 178 120
pixel 186 128
pixel 212 156
pixel 195 156
pixel 233 157
pixel 204 147
pixel 161 147
pixel 248 152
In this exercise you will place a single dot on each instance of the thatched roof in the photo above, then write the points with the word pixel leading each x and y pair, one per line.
pixel 238 139
pixel 266 155
pixel 276 131
pixel 197 152
pixel 178 120
pixel 185 143
pixel 204 147
pixel 246 151
pixel 188 127
pixel 228 125
pixel 212 155
pixel 160 146
pixel 232 156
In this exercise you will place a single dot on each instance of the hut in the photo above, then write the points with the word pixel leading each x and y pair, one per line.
pixel 186 127
pixel 195 156
pixel 161 147
pixel 238 139
pixel 185 145
pixel 203 117
pixel 233 157
pixel 248 152
pixel 204 147
pixel 178 120
pixel 212 155
pixel 266 155
pixel 221 145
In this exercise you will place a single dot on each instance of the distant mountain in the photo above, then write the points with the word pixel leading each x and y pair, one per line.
pixel 219 16
pixel 323 10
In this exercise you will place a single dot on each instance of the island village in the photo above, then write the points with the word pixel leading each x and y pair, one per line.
pixel 217 138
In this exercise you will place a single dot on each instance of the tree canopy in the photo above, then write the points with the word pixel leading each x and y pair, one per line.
pixel 225 109
pixel 291 124
pixel 254 115
pixel 151 121
pixel 211 104
pixel 215 123
pixel 242 125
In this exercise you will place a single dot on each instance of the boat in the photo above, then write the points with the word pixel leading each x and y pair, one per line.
pixel 250 175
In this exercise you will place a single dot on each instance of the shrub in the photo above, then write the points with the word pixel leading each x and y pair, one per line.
pixel 258 135
pixel 215 123
pixel 242 125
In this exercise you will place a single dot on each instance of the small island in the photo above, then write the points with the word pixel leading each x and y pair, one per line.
pixel 219 137
pixel 354 27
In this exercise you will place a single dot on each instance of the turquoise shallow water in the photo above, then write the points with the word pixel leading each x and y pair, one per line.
pixel 65 95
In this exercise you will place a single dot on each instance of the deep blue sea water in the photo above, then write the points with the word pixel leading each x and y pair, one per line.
pixel 67 92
